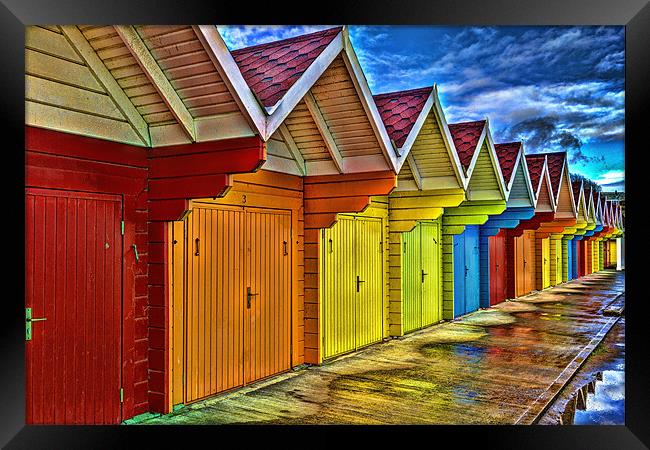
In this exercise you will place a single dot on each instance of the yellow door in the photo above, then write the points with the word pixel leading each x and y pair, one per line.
pixel 558 261
pixel 546 266
pixel 368 301
pixel 431 279
pixel 352 286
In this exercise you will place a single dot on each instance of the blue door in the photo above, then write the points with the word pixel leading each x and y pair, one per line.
pixel 472 263
pixel 466 271
pixel 459 274
pixel 574 258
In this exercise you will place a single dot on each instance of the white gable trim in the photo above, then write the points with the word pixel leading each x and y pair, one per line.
pixel 394 161
pixel 521 160
pixel 229 71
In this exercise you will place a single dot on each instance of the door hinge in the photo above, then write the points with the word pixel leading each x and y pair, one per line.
pixel 121 395
pixel 122 227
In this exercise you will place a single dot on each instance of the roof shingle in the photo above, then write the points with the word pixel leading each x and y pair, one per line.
pixel 576 191
pixel 555 165
pixel 271 69
pixel 535 165
pixel 507 156
pixel 465 136
pixel 400 110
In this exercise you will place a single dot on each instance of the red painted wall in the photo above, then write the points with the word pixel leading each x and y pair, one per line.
pixel 67 162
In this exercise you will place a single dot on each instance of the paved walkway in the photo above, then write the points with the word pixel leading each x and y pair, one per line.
pixel 497 366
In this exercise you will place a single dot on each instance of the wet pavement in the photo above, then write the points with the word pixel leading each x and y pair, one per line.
pixel 596 393
pixel 502 365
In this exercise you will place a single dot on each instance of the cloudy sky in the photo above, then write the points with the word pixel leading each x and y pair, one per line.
pixel 552 87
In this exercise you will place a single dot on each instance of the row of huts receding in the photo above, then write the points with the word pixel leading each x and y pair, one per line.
pixel 198 219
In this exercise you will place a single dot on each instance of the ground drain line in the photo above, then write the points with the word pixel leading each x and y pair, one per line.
pixel 612 302
pixel 567 373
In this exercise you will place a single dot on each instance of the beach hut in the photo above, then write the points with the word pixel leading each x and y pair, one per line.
pixel 431 180
pixel 565 216
pixel 521 242
pixel 485 196
pixel 578 235
pixel 520 205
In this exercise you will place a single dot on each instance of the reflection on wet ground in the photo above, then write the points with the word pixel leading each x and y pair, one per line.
pixel 596 394
pixel 495 366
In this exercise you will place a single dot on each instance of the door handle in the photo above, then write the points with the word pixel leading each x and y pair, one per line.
pixel 359 282
pixel 466 270
pixel 196 241
pixel 28 323
pixel 423 274
pixel 249 296
pixel 284 243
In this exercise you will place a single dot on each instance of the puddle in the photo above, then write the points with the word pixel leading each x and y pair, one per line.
pixel 600 402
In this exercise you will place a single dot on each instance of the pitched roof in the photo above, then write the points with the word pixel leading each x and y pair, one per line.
pixel 271 69
pixel 465 136
pixel 535 165
pixel 507 156
pixel 555 165
pixel 400 110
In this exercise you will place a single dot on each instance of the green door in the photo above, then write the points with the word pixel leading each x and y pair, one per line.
pixel 351 284
pixel 412 279
pixel 422 304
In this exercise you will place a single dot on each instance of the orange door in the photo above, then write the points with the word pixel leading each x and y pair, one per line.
pixel 238 298
pixel 520 266
pixel 529 260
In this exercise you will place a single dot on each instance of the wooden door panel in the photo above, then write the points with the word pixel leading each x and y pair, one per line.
pixel 411 279
pixel 267 323
pixel 215 297
pixel 369 299
pixel 431 292
pixel 73 279
pixel 339 287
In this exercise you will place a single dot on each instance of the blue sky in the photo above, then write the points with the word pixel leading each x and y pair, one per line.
pixel 554 88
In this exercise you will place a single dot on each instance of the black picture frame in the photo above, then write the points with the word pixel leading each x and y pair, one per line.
pixel 634 14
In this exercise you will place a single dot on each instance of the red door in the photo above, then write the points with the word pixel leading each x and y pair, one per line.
pixel 497 261
pixel 73 279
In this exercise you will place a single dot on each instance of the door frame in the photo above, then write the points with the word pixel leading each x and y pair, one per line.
pixel 174 273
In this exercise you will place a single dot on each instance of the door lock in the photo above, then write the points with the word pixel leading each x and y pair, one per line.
pixel 423 274
pixel 28 323
pixel 249 296
pixel 359 282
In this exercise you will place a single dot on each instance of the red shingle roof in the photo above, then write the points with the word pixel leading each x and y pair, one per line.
pixel 271 69
pixel 555 164
pixel 535 165
pixel 576 191
pixel 465 135
pixel 400 110
pixel 507 156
